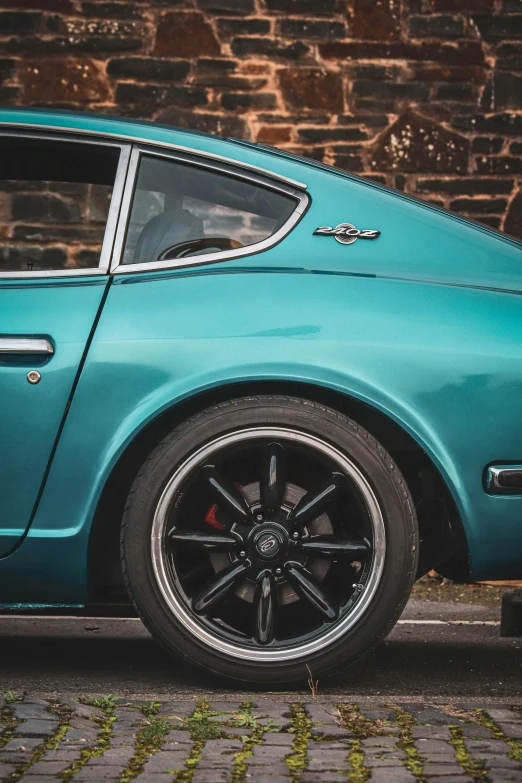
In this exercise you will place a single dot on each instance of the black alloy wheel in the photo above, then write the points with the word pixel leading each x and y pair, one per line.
pixel 267 544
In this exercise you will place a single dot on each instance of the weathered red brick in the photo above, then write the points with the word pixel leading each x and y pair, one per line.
pixel 458 6
pixel 44 5
pixel 229 26
pixel 181 34
pixel 503 91
pixel 450 73
pixel 274 134
pixel 414 143
pixel 311 88
pixel 465 185
pixel 15 22
pixel 60 81
pixel 499 27
pixel 458 53
pixel 148 69
pixel 222 124
pixel 478 206
pixel 310 28
pixel 244 101
pixel 160 94
pixel 378 21
pixel 436 27
pixel 269 47
pixel 503 164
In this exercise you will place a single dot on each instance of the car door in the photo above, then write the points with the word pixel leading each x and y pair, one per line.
pixel 59 202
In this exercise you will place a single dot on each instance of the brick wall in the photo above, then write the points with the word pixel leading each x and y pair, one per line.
pixel 424 95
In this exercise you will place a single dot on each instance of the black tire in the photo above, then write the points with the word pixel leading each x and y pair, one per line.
pixel 399 562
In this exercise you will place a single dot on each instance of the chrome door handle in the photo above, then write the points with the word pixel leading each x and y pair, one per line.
pixel 26 345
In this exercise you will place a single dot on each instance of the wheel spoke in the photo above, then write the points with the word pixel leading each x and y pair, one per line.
pixel 215 543
pixel 217 589
pixel 308 588
pixel 265 606
pixel 273 477
pixel 333 548
pixel 228 498
pixel 314 503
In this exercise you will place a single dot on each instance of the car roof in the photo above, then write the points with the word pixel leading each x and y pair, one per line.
pixel 134 130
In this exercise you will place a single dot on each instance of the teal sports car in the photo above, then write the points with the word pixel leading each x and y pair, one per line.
pixel 252 395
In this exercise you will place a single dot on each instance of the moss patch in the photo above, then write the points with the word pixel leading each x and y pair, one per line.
pixel 475 769
pixel 255 737
pixel 358 725
pixel 414 760
pixel 52 743
pixel 515 745
pixel 302 728
pixel 202 728
pixel 9 723
pixel 103 742
pixel 149 741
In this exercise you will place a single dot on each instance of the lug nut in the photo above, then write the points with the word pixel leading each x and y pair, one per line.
pixel 259 517
pixel 242 553
pixel 295 535
pixel 279 571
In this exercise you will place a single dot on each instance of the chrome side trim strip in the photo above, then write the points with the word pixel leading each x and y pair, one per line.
pixel 302 202
pixel 504 479
pixel 109 236
pixel 66 273
pixel 26 345
pixel 167 145
pixel 125 209
pixel 67 135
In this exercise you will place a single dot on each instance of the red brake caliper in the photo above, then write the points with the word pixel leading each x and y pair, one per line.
pixel 210 517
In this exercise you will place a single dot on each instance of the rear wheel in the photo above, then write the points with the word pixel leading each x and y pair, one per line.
pixel 267 535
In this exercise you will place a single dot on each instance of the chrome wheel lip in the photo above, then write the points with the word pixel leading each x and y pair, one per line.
pixel 159 552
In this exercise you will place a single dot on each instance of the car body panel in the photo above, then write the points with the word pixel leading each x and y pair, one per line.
pixel 32 413
pixel 432 384
pixel 424 324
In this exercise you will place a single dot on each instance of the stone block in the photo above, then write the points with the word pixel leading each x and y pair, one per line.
pixel 185 34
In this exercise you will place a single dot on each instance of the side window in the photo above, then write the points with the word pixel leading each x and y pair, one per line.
pixel 180 211
pixel 54 203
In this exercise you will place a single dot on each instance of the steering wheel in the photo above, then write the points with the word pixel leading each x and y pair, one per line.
pixel 193 246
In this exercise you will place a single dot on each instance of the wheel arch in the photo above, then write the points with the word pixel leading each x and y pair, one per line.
pixel 443 538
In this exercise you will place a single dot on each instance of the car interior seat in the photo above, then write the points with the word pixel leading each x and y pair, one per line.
pixel 171 227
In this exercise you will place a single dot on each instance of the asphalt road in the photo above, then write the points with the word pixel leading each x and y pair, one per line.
pixel 438 650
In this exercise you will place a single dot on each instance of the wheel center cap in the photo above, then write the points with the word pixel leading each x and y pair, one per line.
pixel 268 544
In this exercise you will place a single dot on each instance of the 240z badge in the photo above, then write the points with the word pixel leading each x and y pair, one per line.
pixel 345 233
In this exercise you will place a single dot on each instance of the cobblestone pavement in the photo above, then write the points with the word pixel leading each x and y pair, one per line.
pixel 281 741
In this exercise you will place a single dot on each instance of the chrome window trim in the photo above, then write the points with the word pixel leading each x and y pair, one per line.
pixel 162 144
pixel 302 201
pixel 114 209
pixel 26 345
